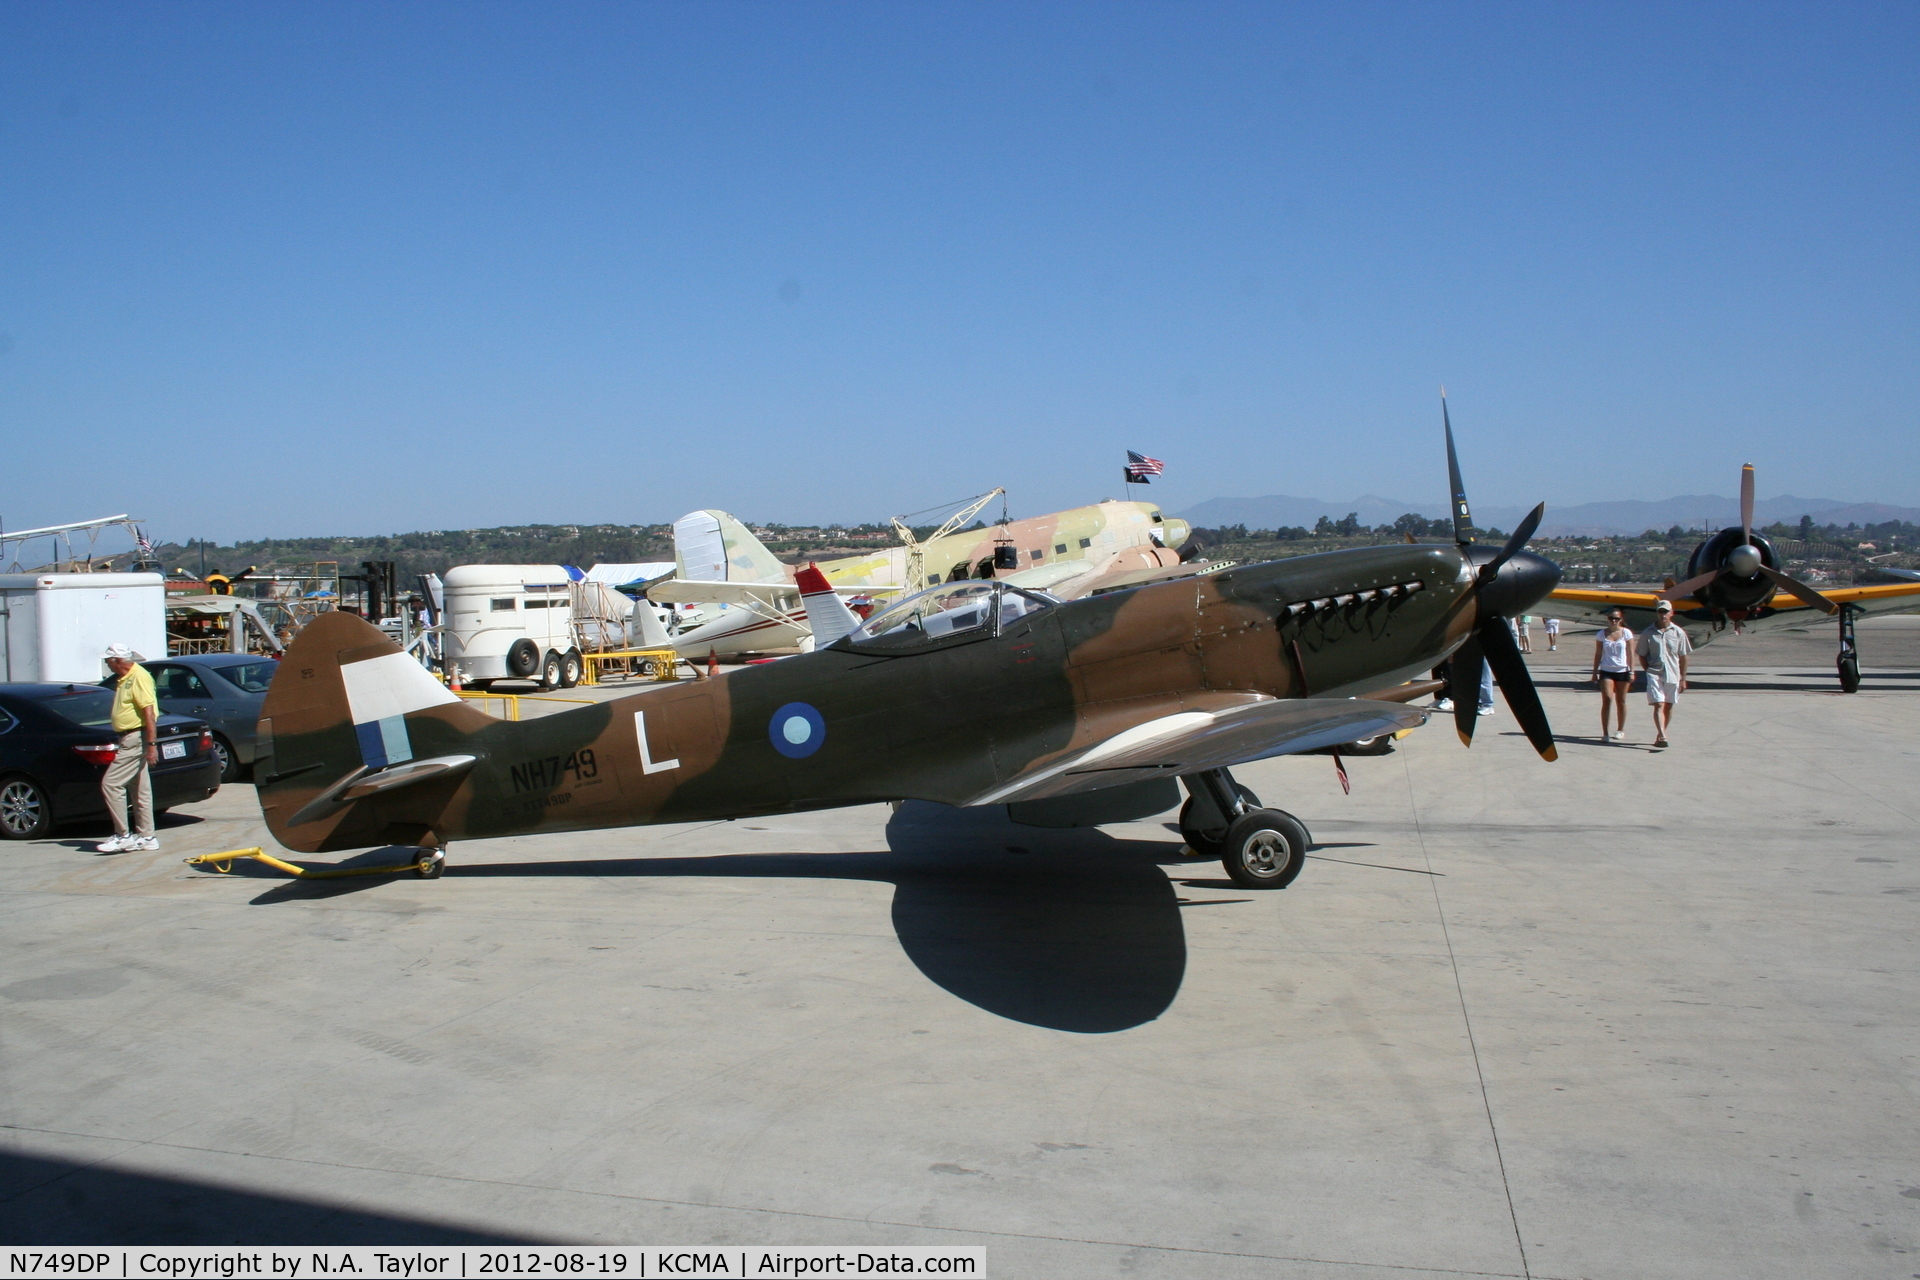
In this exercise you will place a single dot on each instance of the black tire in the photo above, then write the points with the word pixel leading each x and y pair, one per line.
pixel 1209 843
pixel 431 864
pixel 1381 744
pixel 570 665
pixel 550 671
pixel 230 766
pixel 1849 665
pixel 523 658
pixel 25 811
pixel 1265 849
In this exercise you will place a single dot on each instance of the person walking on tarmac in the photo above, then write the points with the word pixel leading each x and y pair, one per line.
pixel 1663 655
pixel 1613 670
pixel 136 724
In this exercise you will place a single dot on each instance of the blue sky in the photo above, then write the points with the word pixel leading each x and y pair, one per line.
pixel 275 269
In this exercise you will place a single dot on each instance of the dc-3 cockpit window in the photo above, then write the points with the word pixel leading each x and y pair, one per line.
pixel 950 610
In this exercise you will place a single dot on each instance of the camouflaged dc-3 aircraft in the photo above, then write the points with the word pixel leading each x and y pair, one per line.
pixel 974 692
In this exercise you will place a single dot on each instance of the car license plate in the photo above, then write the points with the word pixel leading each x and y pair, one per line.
pixel 173 751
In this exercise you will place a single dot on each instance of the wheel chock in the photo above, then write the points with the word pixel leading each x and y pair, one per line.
pixel 427 866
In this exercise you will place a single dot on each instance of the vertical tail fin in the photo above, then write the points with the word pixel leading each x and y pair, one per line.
pixel 643 625
pixel 359 745
pixel 827 613
pixel 711 546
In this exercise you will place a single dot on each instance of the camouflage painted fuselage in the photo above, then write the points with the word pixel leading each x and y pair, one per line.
pixel 951 719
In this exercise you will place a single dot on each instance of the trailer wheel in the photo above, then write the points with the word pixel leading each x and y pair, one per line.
pixel 570 665
pixel 550 671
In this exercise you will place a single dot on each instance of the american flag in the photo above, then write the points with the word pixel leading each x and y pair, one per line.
pixel 140 537
pixel 1140 466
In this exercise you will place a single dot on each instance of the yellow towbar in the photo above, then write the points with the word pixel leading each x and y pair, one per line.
pixel 427 866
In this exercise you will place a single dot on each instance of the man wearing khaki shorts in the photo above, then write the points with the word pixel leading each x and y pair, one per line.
pixel 136 726
pixel 1663 650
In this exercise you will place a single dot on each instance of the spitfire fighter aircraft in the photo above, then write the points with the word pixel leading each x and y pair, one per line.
pixel 973 692
pixel 1735 578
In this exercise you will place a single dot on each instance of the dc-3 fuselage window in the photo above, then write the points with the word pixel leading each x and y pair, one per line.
pixel 970 607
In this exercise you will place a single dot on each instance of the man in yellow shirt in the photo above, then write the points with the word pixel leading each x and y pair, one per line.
pixel 136 724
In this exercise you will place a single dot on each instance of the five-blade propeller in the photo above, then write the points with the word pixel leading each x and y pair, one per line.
pixel 1492 643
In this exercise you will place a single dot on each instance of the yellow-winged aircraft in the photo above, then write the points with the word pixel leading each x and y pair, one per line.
pixel 1734 578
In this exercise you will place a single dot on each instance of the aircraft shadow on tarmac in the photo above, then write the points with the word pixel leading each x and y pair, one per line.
pixel 1070 929
pixel 45 1200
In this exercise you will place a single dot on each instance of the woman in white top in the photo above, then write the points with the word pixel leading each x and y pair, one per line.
pixel 1613 670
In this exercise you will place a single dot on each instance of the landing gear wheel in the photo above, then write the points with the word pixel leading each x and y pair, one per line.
pixel 1264 849
pixel 25 812
pixel 550 671
pixel 570 665
pixel 1379 745
pixel 1849 665
pixel 1209 842
pixel 431 864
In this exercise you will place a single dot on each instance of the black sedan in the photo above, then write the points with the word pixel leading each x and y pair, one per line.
pixel 56 741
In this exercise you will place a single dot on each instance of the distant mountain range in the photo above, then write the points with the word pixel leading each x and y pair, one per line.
pixel 1589 519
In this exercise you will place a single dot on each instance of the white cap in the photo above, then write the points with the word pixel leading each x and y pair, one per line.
pixel 123 653
pixel 1665 606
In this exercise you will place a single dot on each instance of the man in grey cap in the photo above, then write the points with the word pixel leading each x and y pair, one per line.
pixel 136 725
pixel 1663 653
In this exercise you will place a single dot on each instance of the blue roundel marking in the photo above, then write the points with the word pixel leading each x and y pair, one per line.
pixel 797 730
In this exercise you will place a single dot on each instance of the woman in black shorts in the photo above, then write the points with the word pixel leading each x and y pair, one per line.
pixel 1613 671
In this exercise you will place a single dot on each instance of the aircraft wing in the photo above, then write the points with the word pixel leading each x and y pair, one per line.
pixel 1892 597
pixel 709 591
pixel 1189 741
pixel 1592 605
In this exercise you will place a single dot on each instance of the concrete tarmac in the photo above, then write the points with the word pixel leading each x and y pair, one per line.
pixel 1631 1014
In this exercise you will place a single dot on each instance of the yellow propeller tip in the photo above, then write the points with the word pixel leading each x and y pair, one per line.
pixel 1466 740
pixel 1550 754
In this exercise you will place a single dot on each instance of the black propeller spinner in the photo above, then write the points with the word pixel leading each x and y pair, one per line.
pixel 1735 572
pixel 1507 583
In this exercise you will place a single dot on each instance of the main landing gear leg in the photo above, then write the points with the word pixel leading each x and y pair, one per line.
pixel 1260 848
pixel 1849 660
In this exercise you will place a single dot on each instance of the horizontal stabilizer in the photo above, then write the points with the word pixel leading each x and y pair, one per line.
pixel 364 782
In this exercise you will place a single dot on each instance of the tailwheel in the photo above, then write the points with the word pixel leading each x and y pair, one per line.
pixel 431 864
pixel 1264 849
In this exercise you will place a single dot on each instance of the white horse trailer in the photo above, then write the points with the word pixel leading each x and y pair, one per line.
pixel 511 622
